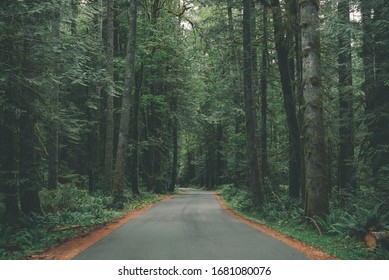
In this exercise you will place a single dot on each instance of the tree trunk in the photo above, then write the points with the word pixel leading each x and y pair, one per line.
pixel 254 177
pixel 108 157
pixel 8 164
pixel 135 138
pixel 121 152
pixel 299 93
pixel 173 181
pixel 346 125
pixel 28 159
pixel 73 24
pixel 264 73
pixel 316 179
pixel 93 143
pixel 235 92
pixel 54 103
pixel 29 183
pixel 286 68
pixel 375 54
pixel 254 46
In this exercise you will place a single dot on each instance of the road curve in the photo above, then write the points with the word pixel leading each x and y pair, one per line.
pixel 190 226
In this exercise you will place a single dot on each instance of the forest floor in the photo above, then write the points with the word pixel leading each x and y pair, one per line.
pixel 81 242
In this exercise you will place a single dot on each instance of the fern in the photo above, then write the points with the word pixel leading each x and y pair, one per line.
pixel 355 223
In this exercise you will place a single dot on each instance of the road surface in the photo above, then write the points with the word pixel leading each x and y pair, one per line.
pixel 190 226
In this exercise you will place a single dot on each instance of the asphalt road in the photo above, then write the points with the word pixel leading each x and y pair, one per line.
pixel 190 226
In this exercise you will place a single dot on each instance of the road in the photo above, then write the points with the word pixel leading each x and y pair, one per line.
pixel 190 226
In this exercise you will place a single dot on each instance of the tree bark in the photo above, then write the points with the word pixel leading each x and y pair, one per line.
pixel 254 177
pixel 264 72
pixel 73 24
pixel 316 179
pixel 28 156
pixel 236 94
pixel 121 152
pixel 286 68
pixel 174 172
pixel 54 103
pixel 93 143
pixel 135 136
pixel 346 125
pixel 108 157
pixel 375 54
pixel 8 164
pixel 29 183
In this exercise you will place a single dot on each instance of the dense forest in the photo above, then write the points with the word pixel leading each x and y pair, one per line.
pixel 285 101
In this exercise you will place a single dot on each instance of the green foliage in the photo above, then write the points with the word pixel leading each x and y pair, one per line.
pixel 72 198
pixel 65 207
pixel 239 198
pixel 355 222
pixel 286 215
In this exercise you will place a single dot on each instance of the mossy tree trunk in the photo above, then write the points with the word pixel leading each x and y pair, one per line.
pixel 316 179
pixel 254 177
pixel 122 147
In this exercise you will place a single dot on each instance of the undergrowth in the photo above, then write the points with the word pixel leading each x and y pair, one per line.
pixel 340 234
pixel 67 211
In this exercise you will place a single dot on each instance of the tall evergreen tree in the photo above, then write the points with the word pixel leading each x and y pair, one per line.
pixel 122 147
pixel 346 125
pixel 316 180
pixel 254 178
pixel 54 101
pixel 283 35
pixel 109 139
pixel 375 54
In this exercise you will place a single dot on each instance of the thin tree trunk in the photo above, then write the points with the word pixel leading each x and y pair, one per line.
pixel 108 157
pixel 54 103
pixel 121 152
pixel 316 178
pixel 93 143
pixel 254 177
pixel 135 136
pixel 73 24
pixel 173 180
pixel 375 54
pixel 9 168
pixel 28 156
pixel 346 125
pixel 9 187
pixel 286 68
pixel 29 183
pixel 299 93
pixel 235 92
pixel 254 53
pixel 264 73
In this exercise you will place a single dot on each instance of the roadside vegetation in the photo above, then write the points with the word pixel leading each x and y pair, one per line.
pixel 340 234
pixel 67 211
